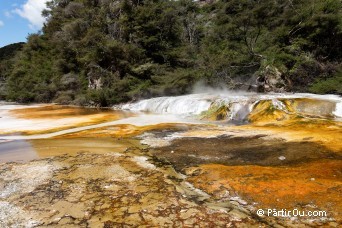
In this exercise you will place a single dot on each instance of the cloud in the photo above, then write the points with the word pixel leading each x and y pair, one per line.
pixel 1 23
pixel 32 11
pixel 8 14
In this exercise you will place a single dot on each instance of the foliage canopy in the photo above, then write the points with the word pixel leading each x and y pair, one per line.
pixel 108 51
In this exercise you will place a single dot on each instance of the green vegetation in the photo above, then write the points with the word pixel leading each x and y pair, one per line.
pixel 7 60
pixel 330 85
pixel 9 51
pixel 101 52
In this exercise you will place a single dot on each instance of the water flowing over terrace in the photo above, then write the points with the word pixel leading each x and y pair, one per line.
pixel 199 159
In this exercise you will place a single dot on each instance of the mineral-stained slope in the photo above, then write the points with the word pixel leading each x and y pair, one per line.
pixel 108 190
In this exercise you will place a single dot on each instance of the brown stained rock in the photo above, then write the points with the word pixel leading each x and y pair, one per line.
pixel 133 188
pixel 307 186
pixel 127 130
pixel 253 150
pixel 103 190
pixel 265 165
pixel 322 131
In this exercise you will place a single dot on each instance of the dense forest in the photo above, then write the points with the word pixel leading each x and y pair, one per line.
pixel 7 55
pixel 102 52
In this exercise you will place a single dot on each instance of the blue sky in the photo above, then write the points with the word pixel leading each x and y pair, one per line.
pixel 18 18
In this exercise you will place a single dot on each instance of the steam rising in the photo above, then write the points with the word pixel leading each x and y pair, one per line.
pixel 201 87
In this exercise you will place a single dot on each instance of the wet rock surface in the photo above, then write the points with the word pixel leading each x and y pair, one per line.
pixel 254 150
pixel 108 190
pixel 311 187
pixel 175 174
pixel 263 171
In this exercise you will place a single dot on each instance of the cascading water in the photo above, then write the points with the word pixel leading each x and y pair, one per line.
pixel 338 110
pixel 239 106
pixel 185 105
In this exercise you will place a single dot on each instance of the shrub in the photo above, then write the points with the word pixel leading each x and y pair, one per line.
pixel 330 85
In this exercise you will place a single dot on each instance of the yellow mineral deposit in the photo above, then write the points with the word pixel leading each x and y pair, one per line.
pixel 52 118
pixel 101 167
pixel 45 148
pixel 128 130
pixel 325 132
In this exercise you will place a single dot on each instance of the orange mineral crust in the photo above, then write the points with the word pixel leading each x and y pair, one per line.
pixel 52 118
pixel 323 131
pixel 128 130
pixel 59 112
pixel 307 186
